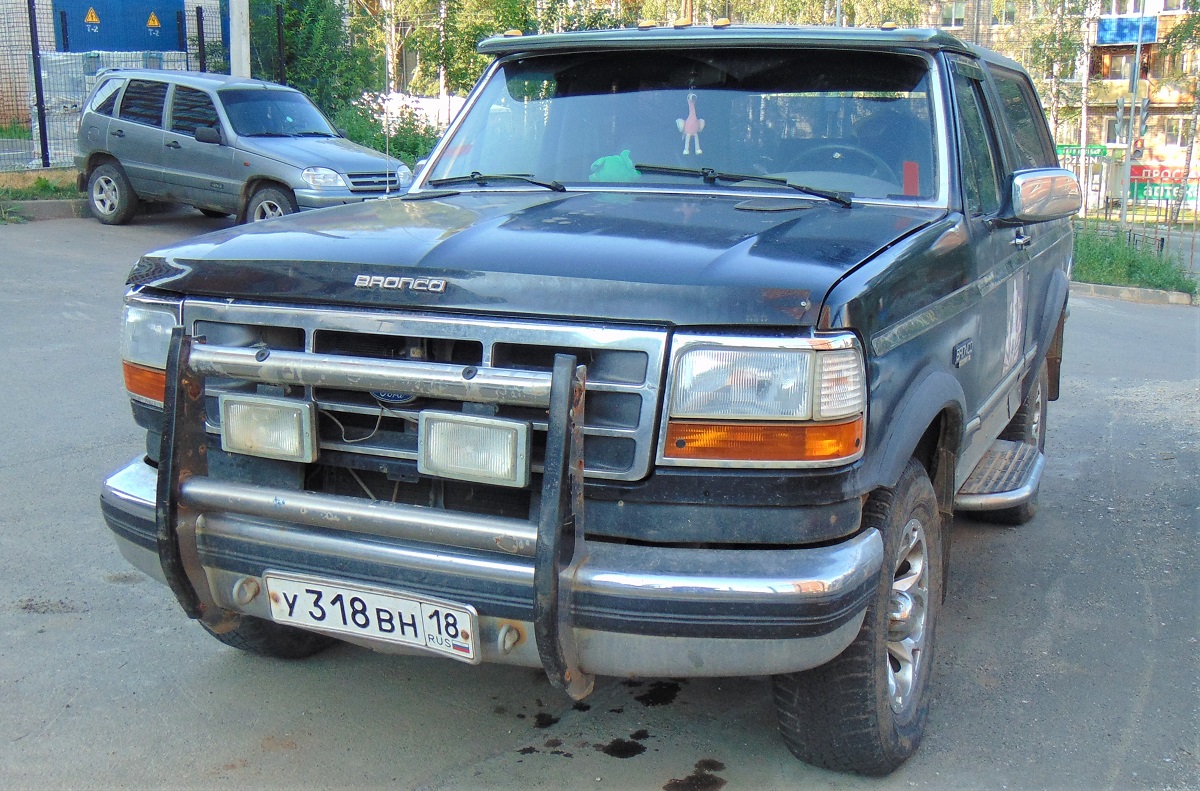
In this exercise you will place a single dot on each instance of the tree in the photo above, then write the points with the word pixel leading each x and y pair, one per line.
pixel 330 52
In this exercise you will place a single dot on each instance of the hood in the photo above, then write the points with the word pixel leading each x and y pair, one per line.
pixel 313 152
pixel 682 259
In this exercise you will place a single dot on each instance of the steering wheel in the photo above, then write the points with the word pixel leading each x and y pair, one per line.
pixel 843 158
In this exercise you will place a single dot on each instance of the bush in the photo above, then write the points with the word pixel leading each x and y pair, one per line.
pixel 402 131
pixel 1109 261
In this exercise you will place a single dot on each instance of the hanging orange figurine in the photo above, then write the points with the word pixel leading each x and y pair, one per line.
pixel 691 127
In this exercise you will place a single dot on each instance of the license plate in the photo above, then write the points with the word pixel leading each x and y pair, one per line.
pixel 442 627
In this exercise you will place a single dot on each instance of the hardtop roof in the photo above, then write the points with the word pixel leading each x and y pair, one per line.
pixel 194 79
pixel 731 36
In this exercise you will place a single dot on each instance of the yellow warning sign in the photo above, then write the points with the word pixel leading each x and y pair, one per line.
pixel 153 20
pixel 92 17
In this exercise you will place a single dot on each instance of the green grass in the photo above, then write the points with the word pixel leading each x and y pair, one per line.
pixel 1109 261
pixel 14 130
pixel 40 189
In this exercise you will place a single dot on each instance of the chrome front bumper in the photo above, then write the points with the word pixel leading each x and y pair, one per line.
pixel 634 610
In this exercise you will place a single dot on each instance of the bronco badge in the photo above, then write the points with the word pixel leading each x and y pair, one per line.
pixel 401 283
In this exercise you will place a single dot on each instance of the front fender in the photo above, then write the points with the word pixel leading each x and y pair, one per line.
pixel 933 392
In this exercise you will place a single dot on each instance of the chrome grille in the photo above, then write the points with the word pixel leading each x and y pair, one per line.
pixel 374 182
pixel 623 382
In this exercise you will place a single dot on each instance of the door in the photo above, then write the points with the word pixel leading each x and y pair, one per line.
pixel 135 136
pixel 999 269
pixel 1047 245
pixel 201 174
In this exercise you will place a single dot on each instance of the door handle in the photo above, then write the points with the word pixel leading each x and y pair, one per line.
pixel 173 144
pixel 1021 240
pixel 117 133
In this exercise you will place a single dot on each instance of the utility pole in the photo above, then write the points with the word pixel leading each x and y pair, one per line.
pixel 239 34
pixel 1135 82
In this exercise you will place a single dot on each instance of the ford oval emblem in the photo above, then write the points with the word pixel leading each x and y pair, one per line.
pixel 389 397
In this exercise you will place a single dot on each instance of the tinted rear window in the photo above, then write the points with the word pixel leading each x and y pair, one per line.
pixel 143 102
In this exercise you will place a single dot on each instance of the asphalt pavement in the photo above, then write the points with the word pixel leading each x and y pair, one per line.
pixel 1069 647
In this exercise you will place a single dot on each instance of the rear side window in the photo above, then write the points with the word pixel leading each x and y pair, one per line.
pixel 143 102
pixel 1031 140
pixel 190 109
pixel 104 100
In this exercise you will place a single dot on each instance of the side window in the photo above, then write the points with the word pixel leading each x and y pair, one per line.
pixel 143 102
pixel 190 109
pixel 1031 139
pixel 980 174
pixel 104 101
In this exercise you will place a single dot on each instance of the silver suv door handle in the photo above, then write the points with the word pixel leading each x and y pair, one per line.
pixel 117 133
pixel 1021 240
pixel 173 144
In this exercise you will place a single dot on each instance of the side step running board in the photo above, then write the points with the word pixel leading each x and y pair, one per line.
pixel 1006 477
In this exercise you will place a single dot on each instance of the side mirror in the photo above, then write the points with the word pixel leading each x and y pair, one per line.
pixel 207 134
pixel 341 132
pixel 421 163
pixel 1045 194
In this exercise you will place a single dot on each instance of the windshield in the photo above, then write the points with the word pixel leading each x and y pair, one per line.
pixel 259 112
pixel 858 123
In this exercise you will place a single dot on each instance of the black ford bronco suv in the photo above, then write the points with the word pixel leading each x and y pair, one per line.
pixel 677 360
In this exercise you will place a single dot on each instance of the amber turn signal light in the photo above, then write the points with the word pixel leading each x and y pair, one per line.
pixel 145 382
pixel 736 441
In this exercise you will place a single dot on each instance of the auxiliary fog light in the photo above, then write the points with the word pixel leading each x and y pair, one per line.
pixel 473 448
pixel 273 428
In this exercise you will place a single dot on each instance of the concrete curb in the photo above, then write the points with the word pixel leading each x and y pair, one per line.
pixel 31 210
pixel 1146 296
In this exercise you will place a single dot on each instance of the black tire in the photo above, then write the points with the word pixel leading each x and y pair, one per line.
pixel 269 202
pixel 865 710
pixel 1028 425
pixel 214 213
pixel 110 196
pixel 267 638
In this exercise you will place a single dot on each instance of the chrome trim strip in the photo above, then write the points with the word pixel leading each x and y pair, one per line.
pixel 918 324
pixel 434 380
pixel 133 488
pixel 649 573
pixel 999 500
pixel 356 515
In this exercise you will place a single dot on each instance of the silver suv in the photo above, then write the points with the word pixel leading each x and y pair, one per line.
pixel 226 145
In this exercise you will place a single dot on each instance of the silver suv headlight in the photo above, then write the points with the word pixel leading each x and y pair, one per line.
pixel 322 178
pixel 764 402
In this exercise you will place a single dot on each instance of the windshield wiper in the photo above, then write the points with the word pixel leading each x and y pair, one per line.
pixel 712 176
pixel 270 134
pixel 479 178
pixel 314 134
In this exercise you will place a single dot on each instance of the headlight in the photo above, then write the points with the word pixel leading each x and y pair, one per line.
pixel 145 341
pixel 322 178
pixel 404 176
pixel 760 402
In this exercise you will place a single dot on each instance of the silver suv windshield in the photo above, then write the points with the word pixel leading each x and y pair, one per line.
pixel 855 123
pixel 260 112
